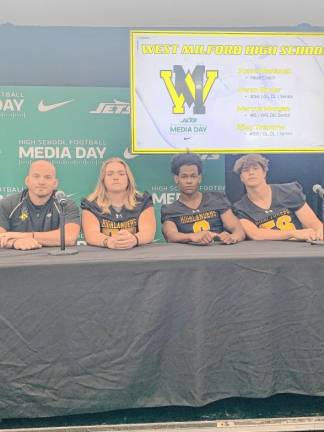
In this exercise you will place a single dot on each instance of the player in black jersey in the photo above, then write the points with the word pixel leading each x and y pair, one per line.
pixel 273 211
pixel 197 217
pixel 116 215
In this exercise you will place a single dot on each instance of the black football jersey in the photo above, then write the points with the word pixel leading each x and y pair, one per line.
pixel 111 223
pixel 287 198
pixel 205 218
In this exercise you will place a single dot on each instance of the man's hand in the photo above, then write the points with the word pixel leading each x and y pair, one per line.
pixel 5 242
pixel 122 240
pixel 203 237
pixel 319 234
pixel 9 238
pixel 307 234
pixel 16 235
pixel 26 244
pixel 227 238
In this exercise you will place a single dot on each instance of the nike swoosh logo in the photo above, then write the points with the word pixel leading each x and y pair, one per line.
pixel 128 155
pixel 45 108
pixel 186 138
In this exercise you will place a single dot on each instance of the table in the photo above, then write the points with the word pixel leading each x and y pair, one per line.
pixel 163 324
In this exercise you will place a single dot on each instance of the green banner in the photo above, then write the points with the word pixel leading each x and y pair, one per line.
pixel 77 128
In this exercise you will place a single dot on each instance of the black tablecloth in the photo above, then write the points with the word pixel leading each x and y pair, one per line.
pixel 159 325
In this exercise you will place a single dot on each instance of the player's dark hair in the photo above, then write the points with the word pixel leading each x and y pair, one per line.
pixel 185 159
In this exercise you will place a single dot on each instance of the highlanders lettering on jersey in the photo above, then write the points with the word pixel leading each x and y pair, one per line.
pixel 186 219
pixel 205 218
pixel 124 219
pixel 281 221
pixel 111 227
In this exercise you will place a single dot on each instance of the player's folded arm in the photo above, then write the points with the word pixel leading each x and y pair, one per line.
pixel 308 218
pixel 232 224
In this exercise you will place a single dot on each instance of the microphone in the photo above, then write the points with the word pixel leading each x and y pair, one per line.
pixel 318 190
pixel 62 201
pixel 60 198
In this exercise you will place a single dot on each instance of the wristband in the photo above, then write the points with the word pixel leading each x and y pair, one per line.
pixel 105 243
pixel 137 241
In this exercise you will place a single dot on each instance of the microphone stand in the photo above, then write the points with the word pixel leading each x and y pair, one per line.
pixel 62 228
pixel 62 250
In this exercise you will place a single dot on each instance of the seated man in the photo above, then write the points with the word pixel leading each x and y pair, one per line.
pixel 30 219
pixel 273 211
pixel 197 217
